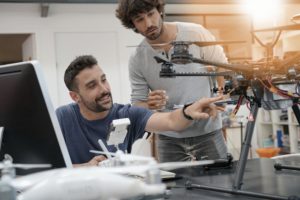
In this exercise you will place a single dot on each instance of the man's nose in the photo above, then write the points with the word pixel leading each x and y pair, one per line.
pixel 103 88
pixel 148 22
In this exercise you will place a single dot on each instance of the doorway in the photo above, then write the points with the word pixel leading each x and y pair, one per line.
pixel 17 47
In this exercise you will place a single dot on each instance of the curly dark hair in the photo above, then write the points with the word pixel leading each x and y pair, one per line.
pixel 127 9
pixel 77 65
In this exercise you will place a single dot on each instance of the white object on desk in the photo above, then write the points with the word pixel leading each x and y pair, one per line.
pixel 119 131
pixel 142 146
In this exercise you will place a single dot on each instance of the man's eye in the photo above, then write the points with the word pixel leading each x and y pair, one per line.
pixel 139 19
pixel 91 86
pixel 150 14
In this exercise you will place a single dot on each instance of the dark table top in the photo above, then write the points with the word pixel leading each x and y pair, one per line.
pixel 260 176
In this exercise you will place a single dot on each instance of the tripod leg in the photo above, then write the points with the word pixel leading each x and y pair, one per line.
pixel 238 181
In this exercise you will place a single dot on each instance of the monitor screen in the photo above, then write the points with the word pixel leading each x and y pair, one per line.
pixel 30 129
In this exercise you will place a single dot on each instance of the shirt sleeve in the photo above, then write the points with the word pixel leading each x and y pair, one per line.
pixel 214 52
pixel 211 53
pixel 139 117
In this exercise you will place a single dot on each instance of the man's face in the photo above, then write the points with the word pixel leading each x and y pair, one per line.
pixel 149 24
pixel 93 90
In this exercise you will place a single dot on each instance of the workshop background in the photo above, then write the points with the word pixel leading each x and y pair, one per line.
pixel 54 32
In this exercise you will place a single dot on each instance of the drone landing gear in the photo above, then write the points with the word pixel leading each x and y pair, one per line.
pixel 238 181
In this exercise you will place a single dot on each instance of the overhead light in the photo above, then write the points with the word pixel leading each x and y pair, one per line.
pixel 263 10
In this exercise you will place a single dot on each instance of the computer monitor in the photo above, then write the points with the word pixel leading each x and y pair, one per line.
pixel 30 129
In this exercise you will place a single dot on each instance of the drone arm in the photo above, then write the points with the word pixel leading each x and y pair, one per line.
pixel 238 68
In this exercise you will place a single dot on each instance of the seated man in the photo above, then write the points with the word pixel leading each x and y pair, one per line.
pixel 89 118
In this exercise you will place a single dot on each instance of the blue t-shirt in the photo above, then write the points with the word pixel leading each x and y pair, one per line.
pixel 82 135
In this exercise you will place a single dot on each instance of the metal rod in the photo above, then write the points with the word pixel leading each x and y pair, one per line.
pixel 189 185
pixel 238 181
pixel 296 112
pixel 279 166
pixel 173 74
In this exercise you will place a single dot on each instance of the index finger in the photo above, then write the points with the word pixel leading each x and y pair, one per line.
pixel 212 99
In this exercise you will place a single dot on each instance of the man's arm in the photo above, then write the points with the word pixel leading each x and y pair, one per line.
pixel 93 162
pixel 176 121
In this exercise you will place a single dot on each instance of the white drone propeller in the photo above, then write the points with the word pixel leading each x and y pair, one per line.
pixel 183 164
pixel 124 157
pixel 8 163
pixel 26 166
pixel 164 166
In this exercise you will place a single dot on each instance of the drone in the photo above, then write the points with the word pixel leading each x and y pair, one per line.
pixel 265 77
pixel 112 180
pixel 90 183
pixel 7 191
pixel 270 83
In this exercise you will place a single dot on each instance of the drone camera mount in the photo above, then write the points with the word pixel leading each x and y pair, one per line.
pixel 118 131
pixel 167 70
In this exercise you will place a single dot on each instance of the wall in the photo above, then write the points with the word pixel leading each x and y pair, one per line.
pixel 25 18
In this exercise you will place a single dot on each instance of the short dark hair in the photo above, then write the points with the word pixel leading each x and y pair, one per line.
pixel 127 9
pixel 77 65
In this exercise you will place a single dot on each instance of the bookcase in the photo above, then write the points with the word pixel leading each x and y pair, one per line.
pixel 278 128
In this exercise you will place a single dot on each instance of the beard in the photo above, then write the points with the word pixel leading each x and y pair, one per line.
pixel 155 35
pixel 97 106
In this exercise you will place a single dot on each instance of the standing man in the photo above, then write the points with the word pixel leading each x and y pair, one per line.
pixel 87 120
pixel 202 138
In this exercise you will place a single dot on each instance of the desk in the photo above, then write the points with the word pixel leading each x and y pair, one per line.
pixel 260 176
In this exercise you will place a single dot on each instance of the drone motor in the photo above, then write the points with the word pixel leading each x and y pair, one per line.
pixel 181 53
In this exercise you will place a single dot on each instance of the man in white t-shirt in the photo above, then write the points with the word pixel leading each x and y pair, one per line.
pixel 148 90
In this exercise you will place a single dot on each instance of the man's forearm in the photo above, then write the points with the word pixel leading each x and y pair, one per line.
pixel 178 120
pixel 143 104
pixel 168 121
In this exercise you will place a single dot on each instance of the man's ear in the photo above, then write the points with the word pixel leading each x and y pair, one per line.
pixel 74 96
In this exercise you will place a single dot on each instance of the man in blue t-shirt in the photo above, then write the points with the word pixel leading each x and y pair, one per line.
pixel 87 120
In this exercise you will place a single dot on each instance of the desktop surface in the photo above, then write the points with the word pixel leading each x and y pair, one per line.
pixel 260 176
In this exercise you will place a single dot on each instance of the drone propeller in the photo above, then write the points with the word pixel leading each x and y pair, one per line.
pixel 25 166
pixel 125 157
pixel 198 43
pixel 8 163
pixel 31 166
pixel 280 28
pixel 177 165
pixel 163 166
pixel 211 43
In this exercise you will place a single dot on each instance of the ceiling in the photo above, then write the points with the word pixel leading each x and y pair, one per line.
pixel 115 1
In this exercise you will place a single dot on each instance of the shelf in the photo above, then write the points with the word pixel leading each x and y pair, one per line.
pixel 267 128
pixel 281 123
pixel 266 123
